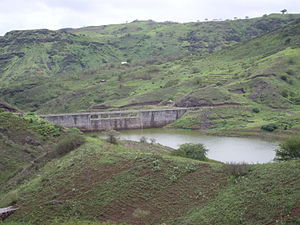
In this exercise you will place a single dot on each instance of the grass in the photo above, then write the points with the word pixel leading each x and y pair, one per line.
pixel 26 144
pixel 143 183
pixel 269 194
pixel 73 76
pixel 99 180
pixel 112 176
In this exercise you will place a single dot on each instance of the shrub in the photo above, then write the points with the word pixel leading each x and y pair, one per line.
pixel 269 127
pixel 237 169
pixel 289 149
pixel 193 151
pixel 42 126
pixel 112 136
pixel 256 110
pixel 68 144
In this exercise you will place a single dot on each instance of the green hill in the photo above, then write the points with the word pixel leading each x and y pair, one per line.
pixel 75 70
pixel 26 144
pixel 140 183
pixel 40 69
pixel 235 76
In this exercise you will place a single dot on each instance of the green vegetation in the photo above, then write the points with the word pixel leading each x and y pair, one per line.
pixel 289 149
pixel 142 183
pixel 237 169
pixel 192 151
pixel 84 69
pixel 269 127
pixel 67 144
pixel 269 194
pixel 238 77
pixel 26 144
pixel 229 82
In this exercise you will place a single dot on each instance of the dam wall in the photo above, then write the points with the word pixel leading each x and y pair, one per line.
pixel 117 120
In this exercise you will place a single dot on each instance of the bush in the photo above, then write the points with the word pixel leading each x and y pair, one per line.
pixel 269 127
pixel 112 136
pixel 193 151
pixel 237 169
pixel 289 149
pixel 68 144
pixel 42 126
pixel 256 110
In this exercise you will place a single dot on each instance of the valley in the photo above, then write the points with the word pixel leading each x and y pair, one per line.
pixel 232 85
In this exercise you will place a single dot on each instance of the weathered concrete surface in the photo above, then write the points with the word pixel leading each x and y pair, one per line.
pixel 117 120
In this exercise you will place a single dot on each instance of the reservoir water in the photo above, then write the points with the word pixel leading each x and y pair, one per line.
pixel 224 149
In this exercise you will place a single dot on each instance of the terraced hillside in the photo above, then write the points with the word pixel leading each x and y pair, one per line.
pixel 239 84
pixel 42 68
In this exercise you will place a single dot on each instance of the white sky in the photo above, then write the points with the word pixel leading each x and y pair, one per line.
pixel 56 14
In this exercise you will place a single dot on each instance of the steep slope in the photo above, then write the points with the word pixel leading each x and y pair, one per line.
pixel 260 74
pixel 26 144
pixel 138 183
pixel 42 66
pixel 27 55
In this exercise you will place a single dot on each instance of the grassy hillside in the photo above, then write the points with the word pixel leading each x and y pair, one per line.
pixel 42 69
pixel 239 88
pixel 136 183
pixel 26 144
pixel 97 182
pixel 154 41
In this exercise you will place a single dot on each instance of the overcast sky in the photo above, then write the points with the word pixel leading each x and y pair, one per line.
pixel 55 14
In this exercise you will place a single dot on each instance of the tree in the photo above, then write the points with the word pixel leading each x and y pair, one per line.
pixel 283 11
pixel 193 151
pixel 289 149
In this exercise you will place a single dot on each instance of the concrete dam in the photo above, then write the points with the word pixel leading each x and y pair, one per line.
pixel 117 120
